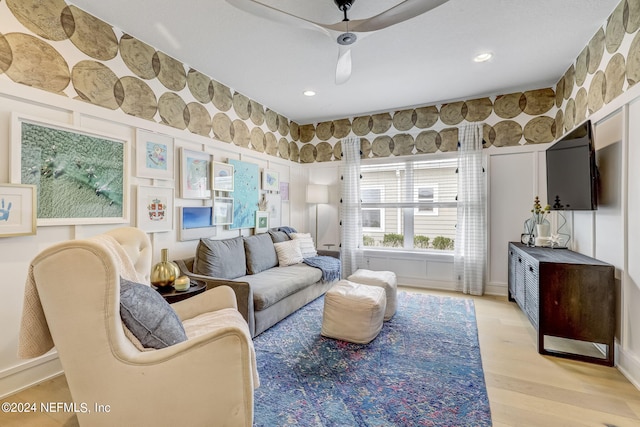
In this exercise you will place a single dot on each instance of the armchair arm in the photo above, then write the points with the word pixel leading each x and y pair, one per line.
pixel 223 357
pixel 243 291
pixel 211 300
pixel 325 252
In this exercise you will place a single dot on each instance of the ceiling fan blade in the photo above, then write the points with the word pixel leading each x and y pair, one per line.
pixel 271 13
pixel 343 69
pixel 406 10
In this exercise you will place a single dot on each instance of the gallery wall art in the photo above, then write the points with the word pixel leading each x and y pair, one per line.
pixel 222 175
pixel 195 174
pixel 155 209
pixel 223 210
pixel 246 193
pixel 17 210
pixel 154 155
pixel 270 180
pixel 80 175
pixel 196 222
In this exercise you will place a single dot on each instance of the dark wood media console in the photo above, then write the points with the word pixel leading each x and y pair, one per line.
pixel 567 295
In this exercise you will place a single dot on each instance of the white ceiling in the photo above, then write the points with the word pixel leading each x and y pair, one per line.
pixel 426 60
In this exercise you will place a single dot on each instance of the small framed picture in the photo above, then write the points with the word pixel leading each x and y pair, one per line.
pixel 223 210
pixel 270 180
pixel 284 191
pixel 262 222
pixel 17 210
pixel 222 174
pixel 196 223
pixel 155 209
pixel 154 155
pixel 195 171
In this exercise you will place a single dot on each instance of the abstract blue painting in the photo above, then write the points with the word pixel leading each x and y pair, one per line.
pixel 246 193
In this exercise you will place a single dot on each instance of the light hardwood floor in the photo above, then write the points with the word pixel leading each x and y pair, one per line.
pixel 525 388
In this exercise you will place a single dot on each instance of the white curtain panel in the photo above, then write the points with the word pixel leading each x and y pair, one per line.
pixel 471 232
pixel 350 207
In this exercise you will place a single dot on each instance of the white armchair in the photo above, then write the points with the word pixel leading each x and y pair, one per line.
pixel 204 381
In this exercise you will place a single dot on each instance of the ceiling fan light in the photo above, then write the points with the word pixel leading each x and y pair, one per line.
pixel 346 39
pixel 483 57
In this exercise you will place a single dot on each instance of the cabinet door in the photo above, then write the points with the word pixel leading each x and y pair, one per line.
pixel 578 302
pixel 513 260
pixel 531 293
pixel 519 282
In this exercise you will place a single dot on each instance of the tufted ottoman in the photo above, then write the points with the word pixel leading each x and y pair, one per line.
pixel 353 312
pixel 384 279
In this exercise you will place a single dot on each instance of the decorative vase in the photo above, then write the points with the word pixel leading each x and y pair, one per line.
pixel 543 234
pixel 164 273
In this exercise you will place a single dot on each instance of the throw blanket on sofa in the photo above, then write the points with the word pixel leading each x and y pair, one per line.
pixel 330 266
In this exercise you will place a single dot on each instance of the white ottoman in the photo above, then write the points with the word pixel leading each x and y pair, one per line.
pixel 384 279
pixel 353 312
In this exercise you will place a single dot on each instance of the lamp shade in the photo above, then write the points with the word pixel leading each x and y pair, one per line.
pixel 317 193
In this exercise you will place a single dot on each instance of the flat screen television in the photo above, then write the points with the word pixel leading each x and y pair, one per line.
pixel 572 174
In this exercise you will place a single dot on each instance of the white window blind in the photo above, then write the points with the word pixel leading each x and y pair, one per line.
pixel 424 185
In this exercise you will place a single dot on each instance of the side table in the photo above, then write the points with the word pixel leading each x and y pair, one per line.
pixel 175 296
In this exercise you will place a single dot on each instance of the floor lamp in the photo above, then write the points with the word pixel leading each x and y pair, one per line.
pixel 317 194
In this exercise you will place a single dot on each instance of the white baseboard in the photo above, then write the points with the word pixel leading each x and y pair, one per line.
pixel 629 365
pixel 28 374
pixel 497 289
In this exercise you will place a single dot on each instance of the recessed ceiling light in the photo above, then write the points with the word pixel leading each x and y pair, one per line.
pixel 309 93
pixel 483 57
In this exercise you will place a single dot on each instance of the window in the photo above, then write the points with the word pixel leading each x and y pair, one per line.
pixel 410 204
pixel 426 195
pixel 372 219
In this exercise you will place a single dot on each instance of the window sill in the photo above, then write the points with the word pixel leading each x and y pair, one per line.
pixel 441 256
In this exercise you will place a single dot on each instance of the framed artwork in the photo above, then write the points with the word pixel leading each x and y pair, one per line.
pixel 81 176
pixel 195 171
pixel 17 210
pixel 262 221
pixel 154 155
pixel 223 210
pixel 284 191
pixel 155 209
pixel 270 180
pixel 246 193
pixel 222 174
pixel 274 207
pixel 196 223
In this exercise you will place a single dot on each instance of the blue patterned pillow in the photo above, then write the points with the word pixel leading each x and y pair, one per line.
pixel 148 316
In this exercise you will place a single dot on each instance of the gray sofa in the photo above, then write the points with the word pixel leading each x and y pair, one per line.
pixel 266 293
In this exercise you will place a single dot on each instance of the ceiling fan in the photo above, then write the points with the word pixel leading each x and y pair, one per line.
pixel 345 32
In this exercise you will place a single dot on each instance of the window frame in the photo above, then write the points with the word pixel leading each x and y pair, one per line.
pixel 408 210
pixel 381 211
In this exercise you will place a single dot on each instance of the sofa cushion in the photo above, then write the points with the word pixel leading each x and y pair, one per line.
pixel 307 247
pixel 278 236
pixel 260 253
pixel 148 316
pixel 271 286
pixel 288 253
pixel 223 259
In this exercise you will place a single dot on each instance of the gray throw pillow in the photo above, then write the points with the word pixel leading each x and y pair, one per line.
pixel 260 253
pixel 223 259
pixel 278 236
pixel 148 316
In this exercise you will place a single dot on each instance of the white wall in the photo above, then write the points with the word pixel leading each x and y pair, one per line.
pixel 17 252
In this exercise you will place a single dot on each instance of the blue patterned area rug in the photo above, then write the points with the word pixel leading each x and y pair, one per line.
pixel 424 369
